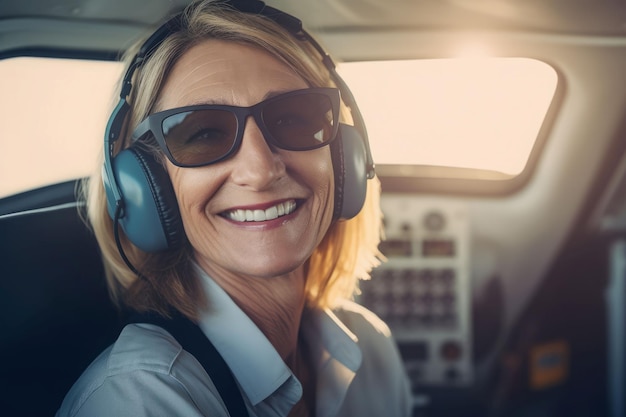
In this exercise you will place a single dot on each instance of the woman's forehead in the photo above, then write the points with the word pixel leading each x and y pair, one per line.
pixel 223 72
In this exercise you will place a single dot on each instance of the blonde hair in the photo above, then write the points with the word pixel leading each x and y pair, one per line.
pixel 349 249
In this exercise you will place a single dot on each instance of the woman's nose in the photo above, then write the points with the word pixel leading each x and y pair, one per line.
pixel 256 164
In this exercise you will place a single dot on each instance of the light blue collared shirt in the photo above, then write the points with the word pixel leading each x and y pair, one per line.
pixel 147 373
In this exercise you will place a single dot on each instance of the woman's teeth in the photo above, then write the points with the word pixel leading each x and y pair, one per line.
pixel 271 213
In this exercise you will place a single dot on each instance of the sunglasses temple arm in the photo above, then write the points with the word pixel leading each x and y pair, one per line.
pixel 141 130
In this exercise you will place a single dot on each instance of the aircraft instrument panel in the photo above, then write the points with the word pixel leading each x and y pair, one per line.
pixel 423 291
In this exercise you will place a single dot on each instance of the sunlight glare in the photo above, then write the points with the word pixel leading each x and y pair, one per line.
pixel 54 115
pixel 481 113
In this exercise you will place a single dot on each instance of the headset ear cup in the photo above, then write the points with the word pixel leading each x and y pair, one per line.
pixel 151 219
pixel 350 168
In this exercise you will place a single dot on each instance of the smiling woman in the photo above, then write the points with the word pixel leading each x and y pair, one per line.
pixel 235 195
pixel 53 117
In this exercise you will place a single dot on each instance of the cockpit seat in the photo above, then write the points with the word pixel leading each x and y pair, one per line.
pixel 55 312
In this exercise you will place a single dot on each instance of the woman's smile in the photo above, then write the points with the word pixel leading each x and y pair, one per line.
pixel 258 214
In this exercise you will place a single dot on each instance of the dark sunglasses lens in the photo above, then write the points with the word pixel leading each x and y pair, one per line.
pixel 303 121
pixel 200 136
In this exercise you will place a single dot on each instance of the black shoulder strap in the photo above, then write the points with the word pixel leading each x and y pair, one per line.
pixel 191 338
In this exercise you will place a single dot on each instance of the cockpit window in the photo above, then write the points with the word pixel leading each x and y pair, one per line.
pixel 476 115
pixel 53 114
pixel 427 118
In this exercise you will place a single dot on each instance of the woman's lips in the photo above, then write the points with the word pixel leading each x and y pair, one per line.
pixel 257 215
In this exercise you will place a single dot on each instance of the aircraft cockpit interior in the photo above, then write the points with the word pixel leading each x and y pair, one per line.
pixel 498 130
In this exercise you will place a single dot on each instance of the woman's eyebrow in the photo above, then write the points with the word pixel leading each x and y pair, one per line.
pixel 222 101
pixel 158 106
pixel 275 93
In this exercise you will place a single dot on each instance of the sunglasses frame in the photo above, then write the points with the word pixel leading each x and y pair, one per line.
pixel 153 123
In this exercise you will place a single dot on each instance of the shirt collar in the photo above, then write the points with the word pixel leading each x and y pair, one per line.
pixel 336 356
pixel 257 366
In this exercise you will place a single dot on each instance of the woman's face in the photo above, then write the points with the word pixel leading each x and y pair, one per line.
pixel 290 194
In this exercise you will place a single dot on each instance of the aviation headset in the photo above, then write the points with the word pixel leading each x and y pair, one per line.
pixel 139 193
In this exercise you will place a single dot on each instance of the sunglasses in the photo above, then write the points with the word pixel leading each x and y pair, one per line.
pixel 195 136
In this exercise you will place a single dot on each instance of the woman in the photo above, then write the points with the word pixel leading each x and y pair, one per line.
pixel 266 264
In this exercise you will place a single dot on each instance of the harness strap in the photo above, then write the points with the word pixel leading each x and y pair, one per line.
pixel 191 338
